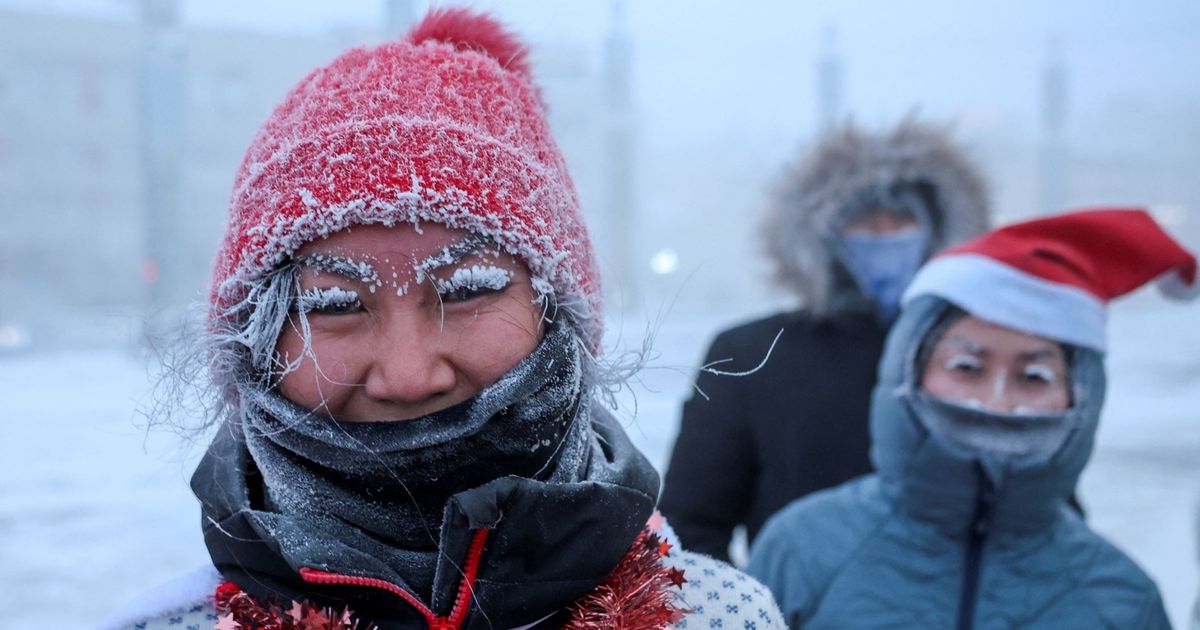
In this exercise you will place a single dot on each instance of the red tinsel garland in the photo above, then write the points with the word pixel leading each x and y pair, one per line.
pixel 238 611
pixel 637 595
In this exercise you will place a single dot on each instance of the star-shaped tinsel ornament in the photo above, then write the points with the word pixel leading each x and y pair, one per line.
pixel 237 610
pixel 675 576
pixel 637 593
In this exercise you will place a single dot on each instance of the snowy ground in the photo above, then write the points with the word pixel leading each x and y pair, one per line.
pixel 93 508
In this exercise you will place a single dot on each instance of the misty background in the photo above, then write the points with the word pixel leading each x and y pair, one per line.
pixel 122 123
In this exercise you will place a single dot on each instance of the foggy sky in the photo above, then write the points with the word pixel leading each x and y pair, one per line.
pixel 745 70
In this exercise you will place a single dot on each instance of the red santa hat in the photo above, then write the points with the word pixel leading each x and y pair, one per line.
pixel 445 125
pixel 1053 277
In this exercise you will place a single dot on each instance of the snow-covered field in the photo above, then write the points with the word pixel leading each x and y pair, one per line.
pixel 94 508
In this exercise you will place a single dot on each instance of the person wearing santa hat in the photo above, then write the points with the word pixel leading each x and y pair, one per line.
pixel 402 347
pixel 990 390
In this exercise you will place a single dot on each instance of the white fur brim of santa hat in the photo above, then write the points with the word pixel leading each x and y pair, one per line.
pixel 1053 277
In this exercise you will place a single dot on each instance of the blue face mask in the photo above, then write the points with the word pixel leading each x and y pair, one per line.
pixel 883 264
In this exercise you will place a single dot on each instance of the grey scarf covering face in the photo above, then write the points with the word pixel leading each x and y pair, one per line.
pixel 1001 439
pixel 1033 437
pixel 382 486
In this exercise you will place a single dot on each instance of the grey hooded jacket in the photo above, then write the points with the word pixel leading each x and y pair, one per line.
pixel 941 539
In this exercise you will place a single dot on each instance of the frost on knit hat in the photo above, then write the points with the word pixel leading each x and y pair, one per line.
pixel 1053 277
pixel 446 126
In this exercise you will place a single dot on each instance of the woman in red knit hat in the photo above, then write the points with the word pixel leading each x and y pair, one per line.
pixel 402 350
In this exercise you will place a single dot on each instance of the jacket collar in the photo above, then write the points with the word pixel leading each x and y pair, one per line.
pixel 522 576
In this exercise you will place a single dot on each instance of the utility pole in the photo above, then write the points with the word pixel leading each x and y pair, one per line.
pixel 619 155
pixel 829 83
pixel 1053 162
pixel 161 135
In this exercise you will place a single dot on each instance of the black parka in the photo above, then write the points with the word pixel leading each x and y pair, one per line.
pixel 800 423
pixel 797 425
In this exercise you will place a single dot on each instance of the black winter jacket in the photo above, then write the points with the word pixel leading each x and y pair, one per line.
pixel 795 426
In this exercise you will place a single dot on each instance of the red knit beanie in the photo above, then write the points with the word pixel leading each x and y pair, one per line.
pixel 446 126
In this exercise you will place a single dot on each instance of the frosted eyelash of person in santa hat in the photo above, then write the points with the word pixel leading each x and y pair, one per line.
pixel 1053 277
pixel 446 126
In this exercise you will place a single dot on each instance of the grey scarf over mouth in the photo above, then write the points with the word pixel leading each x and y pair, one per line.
pixel 381 486
pixel 983 433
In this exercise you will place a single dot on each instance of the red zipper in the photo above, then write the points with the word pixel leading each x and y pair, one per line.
pixel 462 602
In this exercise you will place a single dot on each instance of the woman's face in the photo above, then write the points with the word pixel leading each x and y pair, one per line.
pixel 405 321
pixel 976 363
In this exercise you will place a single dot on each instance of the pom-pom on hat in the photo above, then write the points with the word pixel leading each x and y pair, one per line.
pixel 446 126
pixel 1053 277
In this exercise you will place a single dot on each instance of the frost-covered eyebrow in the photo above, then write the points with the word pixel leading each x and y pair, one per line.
pixel 1038 355
pixel 974 348
pixel 964 343
pixel 451 254
pixel 340 265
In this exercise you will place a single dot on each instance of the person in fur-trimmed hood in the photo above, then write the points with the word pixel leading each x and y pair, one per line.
pixel 847 227
pixel 402 348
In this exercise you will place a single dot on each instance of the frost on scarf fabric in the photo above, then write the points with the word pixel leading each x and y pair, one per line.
pixel 532 423
pixel 446 126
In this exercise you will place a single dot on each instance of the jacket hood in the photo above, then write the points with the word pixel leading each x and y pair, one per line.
pixel 935 481
pixel 522 576
pixel 811 195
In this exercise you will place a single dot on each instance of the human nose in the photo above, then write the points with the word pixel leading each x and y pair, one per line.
pixel 411 364
pixel 1001 398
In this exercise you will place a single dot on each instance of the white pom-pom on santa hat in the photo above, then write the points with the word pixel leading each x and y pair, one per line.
pixel 1173 285
pixel 1053 277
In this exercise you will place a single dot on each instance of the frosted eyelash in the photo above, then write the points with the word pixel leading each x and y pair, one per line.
pixel 957 361
pixel 315 299
pixel 474 278
pixel 1042 372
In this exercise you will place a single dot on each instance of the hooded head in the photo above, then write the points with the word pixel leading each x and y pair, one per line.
pixel 1047 281
pixel 913 172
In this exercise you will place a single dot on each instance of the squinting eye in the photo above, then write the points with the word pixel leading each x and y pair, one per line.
pixel 462 294
pixel 1039 374
pixel 331 301
pixel 468 283
pixel 962 363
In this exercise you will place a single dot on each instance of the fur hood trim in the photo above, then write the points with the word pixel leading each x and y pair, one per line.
pixel 814 191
